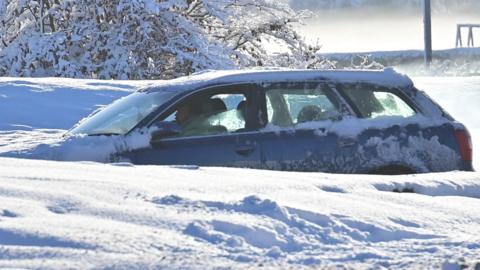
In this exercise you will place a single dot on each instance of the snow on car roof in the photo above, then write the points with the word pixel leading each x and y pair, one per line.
pixel 387 77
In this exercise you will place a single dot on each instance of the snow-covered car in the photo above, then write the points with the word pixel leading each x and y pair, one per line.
pixel 373 122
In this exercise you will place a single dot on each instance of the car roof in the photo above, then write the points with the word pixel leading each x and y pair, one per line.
pixel 387 78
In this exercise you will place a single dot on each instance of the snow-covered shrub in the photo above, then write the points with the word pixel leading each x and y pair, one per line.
pixel 104 39
pixel 144 39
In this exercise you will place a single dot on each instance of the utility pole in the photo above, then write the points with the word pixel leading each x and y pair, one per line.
pixel 427 21
pixel 42 26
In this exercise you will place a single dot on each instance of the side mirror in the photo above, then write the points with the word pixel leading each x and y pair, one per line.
pixel 163 130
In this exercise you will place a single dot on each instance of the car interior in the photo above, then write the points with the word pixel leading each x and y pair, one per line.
pixel 289 107
pixel 376 102
pixel 216 114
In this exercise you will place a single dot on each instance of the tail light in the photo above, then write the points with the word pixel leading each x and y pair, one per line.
pixel 465 144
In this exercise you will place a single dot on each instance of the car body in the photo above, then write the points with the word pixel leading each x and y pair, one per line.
pixel 333 121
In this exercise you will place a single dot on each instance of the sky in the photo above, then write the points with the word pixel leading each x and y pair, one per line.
pixel 365 29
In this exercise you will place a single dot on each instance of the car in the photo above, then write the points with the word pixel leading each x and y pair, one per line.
pixel 335 121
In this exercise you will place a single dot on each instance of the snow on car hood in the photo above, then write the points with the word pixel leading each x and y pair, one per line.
pixel 52 145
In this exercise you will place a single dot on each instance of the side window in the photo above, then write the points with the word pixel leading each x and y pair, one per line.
pixel 210 115
pixel 373 103
pixel 392 105
pixel 288 107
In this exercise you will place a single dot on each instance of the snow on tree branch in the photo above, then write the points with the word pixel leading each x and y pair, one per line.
pixel 146 39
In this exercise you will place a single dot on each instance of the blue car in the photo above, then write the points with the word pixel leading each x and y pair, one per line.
pixel 366 122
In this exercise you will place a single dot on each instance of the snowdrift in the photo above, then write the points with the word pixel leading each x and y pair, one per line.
pixel 55 103
pixel 86 215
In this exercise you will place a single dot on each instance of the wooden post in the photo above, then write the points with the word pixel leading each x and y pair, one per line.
pixel 470 37
pixel 458 43
pixel 427 20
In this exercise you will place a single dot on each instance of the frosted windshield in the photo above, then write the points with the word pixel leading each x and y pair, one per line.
pixel 123 115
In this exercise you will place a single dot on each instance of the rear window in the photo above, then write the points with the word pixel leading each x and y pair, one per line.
pixel 377 102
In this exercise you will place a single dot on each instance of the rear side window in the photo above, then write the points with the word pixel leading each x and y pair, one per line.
pixel 377 102
pixel 291 106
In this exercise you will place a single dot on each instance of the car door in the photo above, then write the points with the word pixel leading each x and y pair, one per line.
pixel 297 136
pixel 228 140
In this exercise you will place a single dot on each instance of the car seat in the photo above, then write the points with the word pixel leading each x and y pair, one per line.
pixel 309 113
pixel 217 106
pixel 242 110
pixel 214 106
pixel 242 114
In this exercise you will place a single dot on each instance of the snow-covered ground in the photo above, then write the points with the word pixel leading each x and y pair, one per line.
pixel 90 215
pixel 87 215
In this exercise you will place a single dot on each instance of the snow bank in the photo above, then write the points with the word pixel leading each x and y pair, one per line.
pixel 55 103
pixel 136 217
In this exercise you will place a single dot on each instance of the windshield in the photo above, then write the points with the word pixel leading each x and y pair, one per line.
pixel 124 114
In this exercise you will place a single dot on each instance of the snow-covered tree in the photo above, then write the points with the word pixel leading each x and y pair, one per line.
pixel 104 39
pixel 250 28
pixel 140 39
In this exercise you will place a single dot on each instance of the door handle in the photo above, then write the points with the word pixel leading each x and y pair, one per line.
pixel 344 143
pixel 245 150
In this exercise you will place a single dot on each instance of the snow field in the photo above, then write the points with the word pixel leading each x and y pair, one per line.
pixel 88 215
